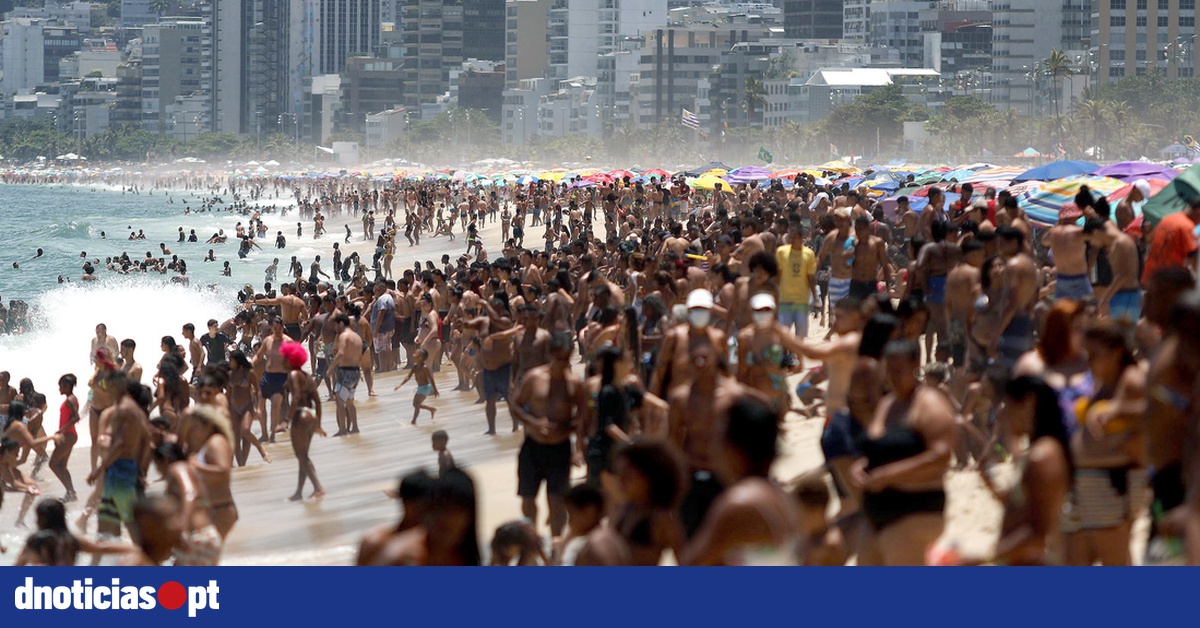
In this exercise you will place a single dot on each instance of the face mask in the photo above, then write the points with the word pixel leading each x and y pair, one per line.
pixel 763 319
pixel 699 318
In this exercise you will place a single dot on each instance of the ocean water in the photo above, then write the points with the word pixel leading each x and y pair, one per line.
pixel 65 221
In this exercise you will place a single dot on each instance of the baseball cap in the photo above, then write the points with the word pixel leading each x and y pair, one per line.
pixel 762 301
pixel 700 298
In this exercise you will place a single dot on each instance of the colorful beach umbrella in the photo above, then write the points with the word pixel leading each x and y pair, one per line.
pixel 1156 186
pixel 837 165
pixel 748 174
pixel 1043 202
pixel 709 182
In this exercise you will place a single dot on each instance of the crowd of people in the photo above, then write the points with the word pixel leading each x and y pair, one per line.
pixel 660 338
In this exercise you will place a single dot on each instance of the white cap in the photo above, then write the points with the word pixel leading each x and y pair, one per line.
pixel 700 298
pixel 762 301
pixel 1143 186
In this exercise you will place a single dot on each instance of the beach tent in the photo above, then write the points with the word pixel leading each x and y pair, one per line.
pixel 1056 170
pixel 1176 195
pixel 1130 171
pixel 1028 153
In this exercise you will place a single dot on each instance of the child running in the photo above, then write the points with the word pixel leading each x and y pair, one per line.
pixel 425 385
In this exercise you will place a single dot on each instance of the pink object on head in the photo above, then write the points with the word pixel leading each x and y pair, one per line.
pixel 294 353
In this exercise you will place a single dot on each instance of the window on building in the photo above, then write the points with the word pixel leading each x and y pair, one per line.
pixel 1164 21
pixel 1116 20
pixel 1116 55
pixel 1164 5
pixel 1117 5
pixel 1187 5
pixel 1141 4
pixel 1141 21
pixel 1188 22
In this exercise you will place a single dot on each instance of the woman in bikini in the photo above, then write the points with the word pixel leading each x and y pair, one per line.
pixel 173 394
pixel 1029 530
pixel 99 400
pixel 243 404
pixel 763 353
pixel 35 410
pixel 201 540
pixel 207 439
pixel 305 419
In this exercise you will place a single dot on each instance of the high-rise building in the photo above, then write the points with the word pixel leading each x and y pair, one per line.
pixel 347 27
pixel 582 31
pixel 173 57
pixel 932 33
pixel 525 32
pixel 856 21
pixel 58 42
pixel 1130 37
pixel 433 45
pixel 136 13
pixel 23 49
pixel 1024 33
pixel 253 62
pixel 483 30
pixel 813 19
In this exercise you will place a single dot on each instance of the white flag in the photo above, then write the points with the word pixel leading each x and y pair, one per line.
pixel 327 150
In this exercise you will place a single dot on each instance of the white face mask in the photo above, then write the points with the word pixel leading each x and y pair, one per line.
pixel 763 319
pixel 699 317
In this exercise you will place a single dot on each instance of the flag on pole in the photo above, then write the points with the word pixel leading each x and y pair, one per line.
pixel 690 120
pixel 765 155
pixel 1189 141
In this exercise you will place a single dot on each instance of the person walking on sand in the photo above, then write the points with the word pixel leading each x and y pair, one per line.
pixel 425 385
pixel 306 418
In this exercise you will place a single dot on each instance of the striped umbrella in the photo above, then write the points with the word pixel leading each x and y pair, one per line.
pixel 993 174
pixel 1043 202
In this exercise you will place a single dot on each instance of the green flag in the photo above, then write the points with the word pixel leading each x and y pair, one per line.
pixel 765 155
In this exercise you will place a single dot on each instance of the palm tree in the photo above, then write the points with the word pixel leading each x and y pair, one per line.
pixel 754 93
pixel 160 6
pixel 1057 66
pixel 1094 114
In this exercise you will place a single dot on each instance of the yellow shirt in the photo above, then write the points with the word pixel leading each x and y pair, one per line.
pixel 795 269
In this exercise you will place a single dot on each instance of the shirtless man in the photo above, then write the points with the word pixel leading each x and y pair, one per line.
pixel 551 403
pixel 1016 310
pixel 292 310
pixel 346 372
pixel 963 289
pixel 130 366
pixel 933 266
pixel 695 425
pixel 839 356
pixel 1069 247
pixel 496 358
pixel 558 308
pixel 1122 298
pixel 533 343
pixel 1127 210
pixel 102 340
pixel 841 261
pixel 322 328
pixel 125 461
pixel 674 356
pixel 870 260
pixel 908 222
pixel 934 212
pixel 195 354
pixel 274 379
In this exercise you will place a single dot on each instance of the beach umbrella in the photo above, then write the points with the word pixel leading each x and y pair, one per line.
pixel 1043 202
pixel 1056 170
pixel 658 173
pixel 582 183
pixel 915 203
pixel 708 182
pixel 786 183
pixel 786 173
pixel 527 179
pixel 1156 185
pixel 1130 171
pixel 1175 196
pixel 712 165
pixel 748 174
pixel 599 177
pixel 1028 153
pixel 837 165
pixel 1001 173
pixel 621 174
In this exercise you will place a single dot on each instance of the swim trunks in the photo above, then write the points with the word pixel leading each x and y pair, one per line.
pixel 383 341
pixel 838 289
pixel 550 463
pixel 1072 287
pixel 863 289
pixel 495 383
pixel 292 330
pixel 1126 306
pixel 425 389
pixel 347 382
pixel 937 290
pixel 122 489
pixel 272 384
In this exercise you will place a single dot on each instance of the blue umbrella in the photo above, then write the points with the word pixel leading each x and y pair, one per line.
pixel 1056 170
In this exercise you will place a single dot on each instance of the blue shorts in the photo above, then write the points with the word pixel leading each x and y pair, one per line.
pixel 837 439
pixel 1126 306
pixel 426 389
pixel 794 315
pixel 1072 287
pixel 937 290
pixel 495 383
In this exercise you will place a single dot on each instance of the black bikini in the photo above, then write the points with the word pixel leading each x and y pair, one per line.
pixel 889 506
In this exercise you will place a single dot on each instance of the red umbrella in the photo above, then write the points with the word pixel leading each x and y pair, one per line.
pixel 657 172
pixel 621 174
pixel 1156 186
pixel 599 177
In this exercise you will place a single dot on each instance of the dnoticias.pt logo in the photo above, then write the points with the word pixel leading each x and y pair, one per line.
pixel 83 595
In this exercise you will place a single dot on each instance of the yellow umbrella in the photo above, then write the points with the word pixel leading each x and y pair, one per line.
pixel 716 172
pixel 709 182
pixel 838 165
pixel 554 176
